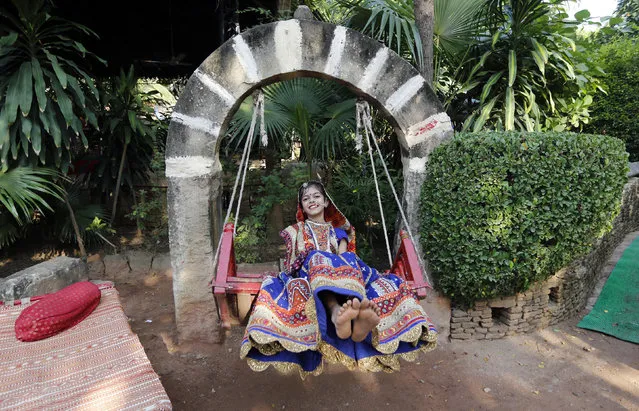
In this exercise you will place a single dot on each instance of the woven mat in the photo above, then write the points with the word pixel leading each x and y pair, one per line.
pixel 99 364
pixel 616 311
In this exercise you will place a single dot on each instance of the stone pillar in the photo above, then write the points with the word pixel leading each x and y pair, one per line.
pixel 192 242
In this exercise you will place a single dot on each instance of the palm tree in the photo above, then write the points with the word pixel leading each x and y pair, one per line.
pixel 318 114
pixel 23 192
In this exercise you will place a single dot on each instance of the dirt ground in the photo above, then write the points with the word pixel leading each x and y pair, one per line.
pixel 561 367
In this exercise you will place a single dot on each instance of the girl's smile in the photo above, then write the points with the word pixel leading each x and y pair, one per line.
pixel 313 204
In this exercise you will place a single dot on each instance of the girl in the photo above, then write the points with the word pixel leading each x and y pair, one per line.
pixel 329 305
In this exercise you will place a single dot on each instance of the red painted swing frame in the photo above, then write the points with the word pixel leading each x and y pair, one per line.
pixel 229 282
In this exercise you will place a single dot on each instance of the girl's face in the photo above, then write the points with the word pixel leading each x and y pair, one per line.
pixel 314 203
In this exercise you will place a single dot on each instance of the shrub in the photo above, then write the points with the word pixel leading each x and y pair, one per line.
pixel 501 211
pixel 615 113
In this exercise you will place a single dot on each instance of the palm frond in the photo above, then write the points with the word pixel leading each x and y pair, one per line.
pixel 23 190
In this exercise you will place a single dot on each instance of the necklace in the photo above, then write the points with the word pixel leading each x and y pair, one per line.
pixel 315 242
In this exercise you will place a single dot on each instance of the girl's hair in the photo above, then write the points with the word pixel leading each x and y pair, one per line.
pixel 309 184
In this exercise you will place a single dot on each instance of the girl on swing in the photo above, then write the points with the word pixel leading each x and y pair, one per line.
pixel 329 305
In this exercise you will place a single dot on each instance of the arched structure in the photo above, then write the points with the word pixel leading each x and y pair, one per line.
pixel 260 56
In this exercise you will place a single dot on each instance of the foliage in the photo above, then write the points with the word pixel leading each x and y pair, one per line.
pixel 317 113
pixel 279 187
pixel 151 214
pixel 85 214
pixel 353 190
pixel 528 72
pixel 389 21
pixel 629 9
pixel 500 211
pixel 46 98
pixel 24 192
pixel 249 236
pixel 128 123
pixel 615 113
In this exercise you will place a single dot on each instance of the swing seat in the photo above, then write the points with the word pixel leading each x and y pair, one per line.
pixel 235 291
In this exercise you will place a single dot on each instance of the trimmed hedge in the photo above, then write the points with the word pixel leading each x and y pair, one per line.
pixel 501 211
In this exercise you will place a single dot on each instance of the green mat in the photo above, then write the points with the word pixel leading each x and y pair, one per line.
pixel 616 311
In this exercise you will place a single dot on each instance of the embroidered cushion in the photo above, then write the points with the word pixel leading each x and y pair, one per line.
pixel 54 313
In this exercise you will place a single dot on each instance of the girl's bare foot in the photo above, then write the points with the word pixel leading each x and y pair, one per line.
pixel 343 315
pixel 367 319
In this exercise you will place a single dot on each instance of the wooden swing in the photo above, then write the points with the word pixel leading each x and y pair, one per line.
pixel 235 291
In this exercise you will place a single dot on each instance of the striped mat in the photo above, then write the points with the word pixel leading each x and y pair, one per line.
pixel 99 364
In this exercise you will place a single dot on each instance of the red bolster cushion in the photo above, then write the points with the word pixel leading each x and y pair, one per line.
pixel 56 312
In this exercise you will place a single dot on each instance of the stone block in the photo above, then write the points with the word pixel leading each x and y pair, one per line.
pixel 460 319
pixel 505 302
pixel 511 315
pixel 481 330
pixel 516 309
pixel 486 324
pixel 469 324
pixel 43 278
pixel 457 313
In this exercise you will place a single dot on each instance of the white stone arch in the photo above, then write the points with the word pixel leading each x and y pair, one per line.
pixel 257 57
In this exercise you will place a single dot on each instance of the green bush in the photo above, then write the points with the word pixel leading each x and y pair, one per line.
pixel 615 113
pixel 501 211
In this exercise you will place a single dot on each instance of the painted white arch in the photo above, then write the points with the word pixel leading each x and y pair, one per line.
pixel 257 57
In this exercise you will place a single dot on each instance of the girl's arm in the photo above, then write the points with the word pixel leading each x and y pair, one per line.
pixel 342 246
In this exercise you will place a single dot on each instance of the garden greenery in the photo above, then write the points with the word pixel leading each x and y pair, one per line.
pixel 500 210
pixel 46 97
pixel 615 113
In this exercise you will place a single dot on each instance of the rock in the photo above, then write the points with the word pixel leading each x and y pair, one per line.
pixel 47 277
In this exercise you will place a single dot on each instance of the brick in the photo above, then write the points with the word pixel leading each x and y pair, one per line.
pixel 486 323
pixel 469 324
pixel 460 319
pixel 481 330
pixel 457 313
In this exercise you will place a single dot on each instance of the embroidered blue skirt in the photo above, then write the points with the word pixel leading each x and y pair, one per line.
pixel 290 329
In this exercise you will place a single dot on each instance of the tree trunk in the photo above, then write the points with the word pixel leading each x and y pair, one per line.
pixel 137 217
pixel 117 185
pixel 76 229
pixel 424 13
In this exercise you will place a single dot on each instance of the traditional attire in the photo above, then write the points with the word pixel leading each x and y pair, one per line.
pixel 289 327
